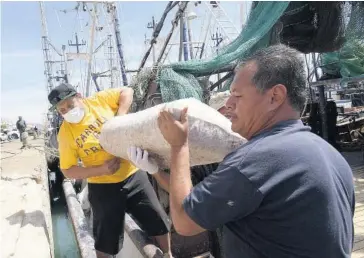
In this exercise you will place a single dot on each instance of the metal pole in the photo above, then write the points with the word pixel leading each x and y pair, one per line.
pixel 111 62
pixel 46 53
pixel 91 49
pixel 153 48
pixel 220 81
pixel 217 39
pixel 151 25
pixel 118 44
pixel 189 30
pixel 65 63
pixel 322 103
pixel 185 40
pixel 156 31
pixel 313 56
pixel 218 75
pixel 205 37
pixel 181 9
pixel 180 38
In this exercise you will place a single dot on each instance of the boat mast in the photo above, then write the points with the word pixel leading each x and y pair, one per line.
pixel 91 49
pixel 46 52
pixel 111 61
pixel 115 21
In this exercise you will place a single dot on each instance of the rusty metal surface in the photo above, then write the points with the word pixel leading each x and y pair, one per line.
pixel 83 235
pixel 142 242
pixel 187 247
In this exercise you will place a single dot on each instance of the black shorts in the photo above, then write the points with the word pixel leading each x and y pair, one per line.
pixel 109 202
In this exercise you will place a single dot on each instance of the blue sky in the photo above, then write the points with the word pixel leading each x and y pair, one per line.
pixel 23 90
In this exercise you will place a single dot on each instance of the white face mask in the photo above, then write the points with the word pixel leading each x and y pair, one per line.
pixel 75 115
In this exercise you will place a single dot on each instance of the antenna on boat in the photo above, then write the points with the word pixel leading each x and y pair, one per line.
pixel 77 44
pixel 152 25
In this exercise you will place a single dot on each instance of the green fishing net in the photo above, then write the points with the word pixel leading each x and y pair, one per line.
pixel 178 80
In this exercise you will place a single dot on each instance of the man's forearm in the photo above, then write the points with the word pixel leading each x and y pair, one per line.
pixel 180 183
pixel 125 101
pixel 180 188
pixel 77 172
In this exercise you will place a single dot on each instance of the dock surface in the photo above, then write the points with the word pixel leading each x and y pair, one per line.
pixel 26 226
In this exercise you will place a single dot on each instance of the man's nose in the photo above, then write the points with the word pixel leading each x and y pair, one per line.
pixel 229 103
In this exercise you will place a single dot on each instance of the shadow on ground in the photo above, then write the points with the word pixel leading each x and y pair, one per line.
pixel 34 218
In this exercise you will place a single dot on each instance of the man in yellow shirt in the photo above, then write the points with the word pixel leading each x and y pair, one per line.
pixel 115 185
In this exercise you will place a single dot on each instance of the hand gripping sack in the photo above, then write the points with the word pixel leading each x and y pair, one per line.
pixel 210 136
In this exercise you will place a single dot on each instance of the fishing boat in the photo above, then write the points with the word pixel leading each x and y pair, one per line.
pixel 97 62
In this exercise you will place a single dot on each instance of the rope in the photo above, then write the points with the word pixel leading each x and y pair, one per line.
pixel 13 154
pixel 79 20
pixel 59 22
pixel 47 150
pixel 44 149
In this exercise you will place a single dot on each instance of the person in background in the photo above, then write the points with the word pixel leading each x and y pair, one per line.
pixel 35 132
pixel 286 192
pixel 218 101
pixel 115 186
pixel 21 125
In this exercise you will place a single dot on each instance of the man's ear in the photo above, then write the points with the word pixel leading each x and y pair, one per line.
pixel 279 94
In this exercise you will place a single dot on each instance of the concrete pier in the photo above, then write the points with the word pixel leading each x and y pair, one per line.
pixel 26 225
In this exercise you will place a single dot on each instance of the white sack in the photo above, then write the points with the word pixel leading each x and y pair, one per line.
pixel 210 136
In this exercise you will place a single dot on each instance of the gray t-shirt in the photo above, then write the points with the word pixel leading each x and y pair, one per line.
pixel 285 193
pixel 21 126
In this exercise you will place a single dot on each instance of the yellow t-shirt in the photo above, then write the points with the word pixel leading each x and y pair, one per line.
pixel 80 141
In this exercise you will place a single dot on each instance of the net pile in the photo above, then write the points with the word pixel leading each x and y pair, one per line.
pixel 349 60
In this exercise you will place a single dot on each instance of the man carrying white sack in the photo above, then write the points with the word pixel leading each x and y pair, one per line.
pixel 286 192
pixel 115 186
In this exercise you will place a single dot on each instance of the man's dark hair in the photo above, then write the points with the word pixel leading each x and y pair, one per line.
pixel 279 64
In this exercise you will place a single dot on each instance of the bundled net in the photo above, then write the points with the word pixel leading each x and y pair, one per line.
pixel 306 26
pixel 349 60
pixel 254 35
pixel 313 26
pixel 179 80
